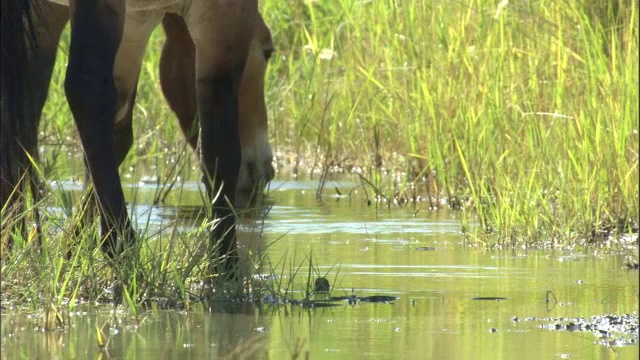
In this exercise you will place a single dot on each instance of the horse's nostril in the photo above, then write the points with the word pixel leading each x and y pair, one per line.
pixel 257 175
pixel 271 171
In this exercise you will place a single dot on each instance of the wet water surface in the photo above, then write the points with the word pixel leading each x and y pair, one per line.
pixel 408 284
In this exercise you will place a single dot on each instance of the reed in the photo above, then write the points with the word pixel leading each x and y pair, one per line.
pixel 523 114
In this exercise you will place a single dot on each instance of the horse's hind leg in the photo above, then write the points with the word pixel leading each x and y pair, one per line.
pixel 41 63
pixel 137 30
pixel 177 74
pixel 47 25
pixel 96 32
pixel 222 32
pixel 48 29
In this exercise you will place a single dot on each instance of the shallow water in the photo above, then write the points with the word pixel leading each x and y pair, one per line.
pixel 453 302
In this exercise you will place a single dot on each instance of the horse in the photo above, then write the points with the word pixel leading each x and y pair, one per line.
pixel 212 69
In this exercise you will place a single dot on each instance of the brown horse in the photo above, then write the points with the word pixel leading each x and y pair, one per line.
pixel 212 69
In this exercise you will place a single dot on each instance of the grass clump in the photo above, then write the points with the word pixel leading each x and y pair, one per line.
pixel 525 112
pixel 61 269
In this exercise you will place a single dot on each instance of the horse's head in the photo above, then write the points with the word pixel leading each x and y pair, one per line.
pixel 256 169
pixel 177 75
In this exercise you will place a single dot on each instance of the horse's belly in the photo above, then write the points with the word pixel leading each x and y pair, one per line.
pixel 136 4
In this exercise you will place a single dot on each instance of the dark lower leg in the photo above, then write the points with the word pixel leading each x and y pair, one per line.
pixel 91 93
pixel 177 75
pixel 220 156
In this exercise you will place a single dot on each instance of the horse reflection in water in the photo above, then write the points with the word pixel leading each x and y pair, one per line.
pixel 212 69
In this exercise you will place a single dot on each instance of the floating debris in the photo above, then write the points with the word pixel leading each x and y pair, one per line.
pixel 426 248
pixel 611 330
pixel 489 298
pixel 379 299
pixel 322 285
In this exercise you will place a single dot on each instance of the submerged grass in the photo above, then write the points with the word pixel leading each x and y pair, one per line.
pixel 524 114
pixel 168 268
pixel 69 270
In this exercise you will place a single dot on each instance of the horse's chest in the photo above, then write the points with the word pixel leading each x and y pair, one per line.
pixel 137 5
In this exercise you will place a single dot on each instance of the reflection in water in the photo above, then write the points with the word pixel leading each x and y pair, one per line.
pixel 418 262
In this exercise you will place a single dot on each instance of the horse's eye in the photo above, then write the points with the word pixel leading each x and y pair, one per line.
pixel 267 53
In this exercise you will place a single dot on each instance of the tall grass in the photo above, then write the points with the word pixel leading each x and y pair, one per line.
pixel 527 111
pixel 524 114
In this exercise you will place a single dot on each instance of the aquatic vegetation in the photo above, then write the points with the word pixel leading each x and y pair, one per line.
pixel 523 115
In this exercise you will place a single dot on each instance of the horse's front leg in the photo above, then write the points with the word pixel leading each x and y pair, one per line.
pixel 137 30
pixel 221 31
pixel 96 32
pixel 177 75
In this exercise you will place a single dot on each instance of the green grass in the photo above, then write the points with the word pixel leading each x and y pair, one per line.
pixel 526 113
pixel 524 116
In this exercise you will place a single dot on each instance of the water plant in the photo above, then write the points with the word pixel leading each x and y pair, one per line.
pixel 524 115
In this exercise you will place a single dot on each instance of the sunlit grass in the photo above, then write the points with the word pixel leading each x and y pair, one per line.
pixel 69 269
pixel 527 112
pixel 167 268
pixel 522 114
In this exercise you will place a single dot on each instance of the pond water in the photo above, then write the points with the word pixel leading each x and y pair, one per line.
pixel 452 301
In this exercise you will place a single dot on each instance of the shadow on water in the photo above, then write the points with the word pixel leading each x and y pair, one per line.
pixel 392 283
